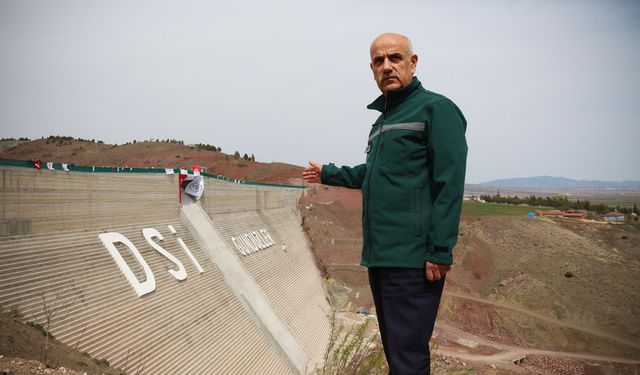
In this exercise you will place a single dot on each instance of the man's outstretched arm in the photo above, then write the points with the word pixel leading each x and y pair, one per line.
pixel 329 174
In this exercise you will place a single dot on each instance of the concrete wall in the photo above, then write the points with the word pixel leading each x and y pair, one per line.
pixel 193 325
pixel 40 201
pixel 285 271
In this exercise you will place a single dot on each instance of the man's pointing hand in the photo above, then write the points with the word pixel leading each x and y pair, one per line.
pixel 311 174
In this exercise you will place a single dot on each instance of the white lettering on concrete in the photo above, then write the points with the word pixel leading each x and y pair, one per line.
pixel 149 233
pixel 251 242
pixel 239 246
pixel 141 288
pixel 149 285
pixel 267 236
pixel 193 259
pixel 258 240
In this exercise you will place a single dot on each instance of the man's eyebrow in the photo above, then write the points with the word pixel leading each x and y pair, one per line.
pixel 391 55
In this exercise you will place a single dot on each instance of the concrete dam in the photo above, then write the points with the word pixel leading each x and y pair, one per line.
pixel 224 285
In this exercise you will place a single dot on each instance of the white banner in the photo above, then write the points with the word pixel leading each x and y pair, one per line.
pixel 50 166
pixel 65 167
pixel 195 188
pixel 168 171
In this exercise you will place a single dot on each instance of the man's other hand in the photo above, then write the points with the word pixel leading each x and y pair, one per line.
pixel 436 271
pixel 311 174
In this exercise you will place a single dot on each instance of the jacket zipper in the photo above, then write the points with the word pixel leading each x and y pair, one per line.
pixel 373 161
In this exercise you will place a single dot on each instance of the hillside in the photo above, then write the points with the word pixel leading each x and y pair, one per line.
pixel 548 182
pixel 149 154
pixel 538 289
pixel 22 349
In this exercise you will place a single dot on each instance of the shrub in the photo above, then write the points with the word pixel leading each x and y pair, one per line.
pixel 352 352
pixel 40 328
pixel 207 147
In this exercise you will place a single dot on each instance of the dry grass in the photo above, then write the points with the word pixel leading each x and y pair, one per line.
pixel 352 352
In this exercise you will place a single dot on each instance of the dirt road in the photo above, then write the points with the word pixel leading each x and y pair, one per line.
pixel 508 353
pixel 547 319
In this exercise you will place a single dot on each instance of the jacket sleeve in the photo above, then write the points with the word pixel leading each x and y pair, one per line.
pixel 448 155
pixel 351 177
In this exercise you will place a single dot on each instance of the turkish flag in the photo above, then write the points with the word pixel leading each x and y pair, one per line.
pixel 37 164
pixel 196 169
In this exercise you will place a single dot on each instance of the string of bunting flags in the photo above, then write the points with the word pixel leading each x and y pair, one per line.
pixel 70 167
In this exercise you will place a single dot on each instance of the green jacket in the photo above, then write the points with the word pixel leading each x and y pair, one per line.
pixel 413 179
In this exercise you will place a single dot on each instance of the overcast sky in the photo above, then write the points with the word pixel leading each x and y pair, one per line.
pixel 547 87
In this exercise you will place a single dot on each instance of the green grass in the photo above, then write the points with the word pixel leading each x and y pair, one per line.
pixel 494 209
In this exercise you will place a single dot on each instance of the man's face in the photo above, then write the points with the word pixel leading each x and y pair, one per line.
pixel 392 62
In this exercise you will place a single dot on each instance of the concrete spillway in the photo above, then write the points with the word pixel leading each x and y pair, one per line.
pixel 227 285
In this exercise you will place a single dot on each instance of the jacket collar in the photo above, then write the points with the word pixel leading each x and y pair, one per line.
pixel 394 97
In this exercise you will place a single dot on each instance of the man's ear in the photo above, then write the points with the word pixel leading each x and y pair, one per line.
pixel 414 63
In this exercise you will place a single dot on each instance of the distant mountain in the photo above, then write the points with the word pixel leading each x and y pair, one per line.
pixel 548 182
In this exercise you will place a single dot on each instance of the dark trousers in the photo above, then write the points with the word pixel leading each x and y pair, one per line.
pixel 406 306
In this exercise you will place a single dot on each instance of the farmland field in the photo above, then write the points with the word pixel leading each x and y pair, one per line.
pixel 495 209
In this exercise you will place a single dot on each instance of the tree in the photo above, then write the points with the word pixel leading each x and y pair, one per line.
pixel 245 156
pixel 236 155
pixel 253 158
pixel 51 310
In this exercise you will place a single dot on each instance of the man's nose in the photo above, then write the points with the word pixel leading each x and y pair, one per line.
pixel 386 65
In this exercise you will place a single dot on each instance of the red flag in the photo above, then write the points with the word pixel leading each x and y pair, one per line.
pixel 196 169
pixel 181 178
pixel 37 164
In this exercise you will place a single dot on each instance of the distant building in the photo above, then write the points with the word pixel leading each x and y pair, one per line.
pixel 550 213
pixel 575 214
pixel 473 198
pixel 613 216
pixel 572 214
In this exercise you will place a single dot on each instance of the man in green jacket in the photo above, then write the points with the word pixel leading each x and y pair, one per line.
pixel 412 185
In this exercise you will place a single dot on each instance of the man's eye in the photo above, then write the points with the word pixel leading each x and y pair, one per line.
pixel 395 58
pixel 377 61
